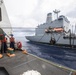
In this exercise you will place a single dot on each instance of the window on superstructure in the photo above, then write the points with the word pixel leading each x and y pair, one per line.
pixel 0 15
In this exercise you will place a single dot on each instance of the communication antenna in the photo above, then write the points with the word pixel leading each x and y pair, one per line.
pixel 56 12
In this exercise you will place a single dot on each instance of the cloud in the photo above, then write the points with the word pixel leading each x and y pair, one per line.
pixel 21 21
pixel 72 13
pixel 30 13
pixel 18 7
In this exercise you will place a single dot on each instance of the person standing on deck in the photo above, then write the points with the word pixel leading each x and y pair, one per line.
pixel 12 42
pixel 4 45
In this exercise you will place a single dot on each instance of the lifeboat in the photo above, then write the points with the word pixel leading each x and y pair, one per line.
pixel 58 29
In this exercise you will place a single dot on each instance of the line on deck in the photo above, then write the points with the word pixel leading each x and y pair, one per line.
pixel 25 63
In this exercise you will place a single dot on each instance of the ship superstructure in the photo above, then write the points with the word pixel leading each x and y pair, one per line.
pixel 4 20
pixel 54 32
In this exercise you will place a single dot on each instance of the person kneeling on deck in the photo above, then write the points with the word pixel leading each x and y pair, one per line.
pixel 19 47
pixel 12 42
pixel 10 52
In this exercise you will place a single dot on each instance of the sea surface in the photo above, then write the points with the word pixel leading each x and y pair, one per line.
pixel 66 57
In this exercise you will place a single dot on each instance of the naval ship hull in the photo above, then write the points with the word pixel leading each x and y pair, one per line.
pixel 60 40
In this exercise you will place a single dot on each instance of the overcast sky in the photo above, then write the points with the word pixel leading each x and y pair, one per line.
pixel 30 13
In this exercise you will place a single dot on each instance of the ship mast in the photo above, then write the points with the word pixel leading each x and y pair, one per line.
pixel 56 12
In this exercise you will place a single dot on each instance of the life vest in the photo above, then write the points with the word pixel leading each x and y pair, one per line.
pixel 19 45
pixel 4 40
pixel 1 34
pixel 12 39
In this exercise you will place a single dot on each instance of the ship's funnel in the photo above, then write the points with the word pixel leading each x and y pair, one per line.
pixel 49 18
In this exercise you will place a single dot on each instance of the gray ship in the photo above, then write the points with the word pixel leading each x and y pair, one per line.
pixel 56 32
pixel 21 62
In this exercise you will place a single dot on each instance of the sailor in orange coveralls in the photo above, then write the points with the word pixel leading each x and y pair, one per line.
pixel 12 42
pixel 4 45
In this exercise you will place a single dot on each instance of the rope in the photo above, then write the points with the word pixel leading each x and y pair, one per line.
pixel 59 38
pixel 41 37
pixel 52 35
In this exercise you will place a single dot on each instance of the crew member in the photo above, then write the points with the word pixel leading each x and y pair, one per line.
pixel 4 45
pixel 19 45
pixel 12 42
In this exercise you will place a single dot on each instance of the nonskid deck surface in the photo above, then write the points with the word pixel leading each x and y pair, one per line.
pixel 22 63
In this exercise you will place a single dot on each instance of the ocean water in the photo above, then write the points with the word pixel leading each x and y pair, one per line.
pixel 66 57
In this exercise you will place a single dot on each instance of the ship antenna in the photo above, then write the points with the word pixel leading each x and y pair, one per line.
pixel 56 12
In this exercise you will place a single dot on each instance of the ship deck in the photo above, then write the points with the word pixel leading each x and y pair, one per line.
pixel 22 62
